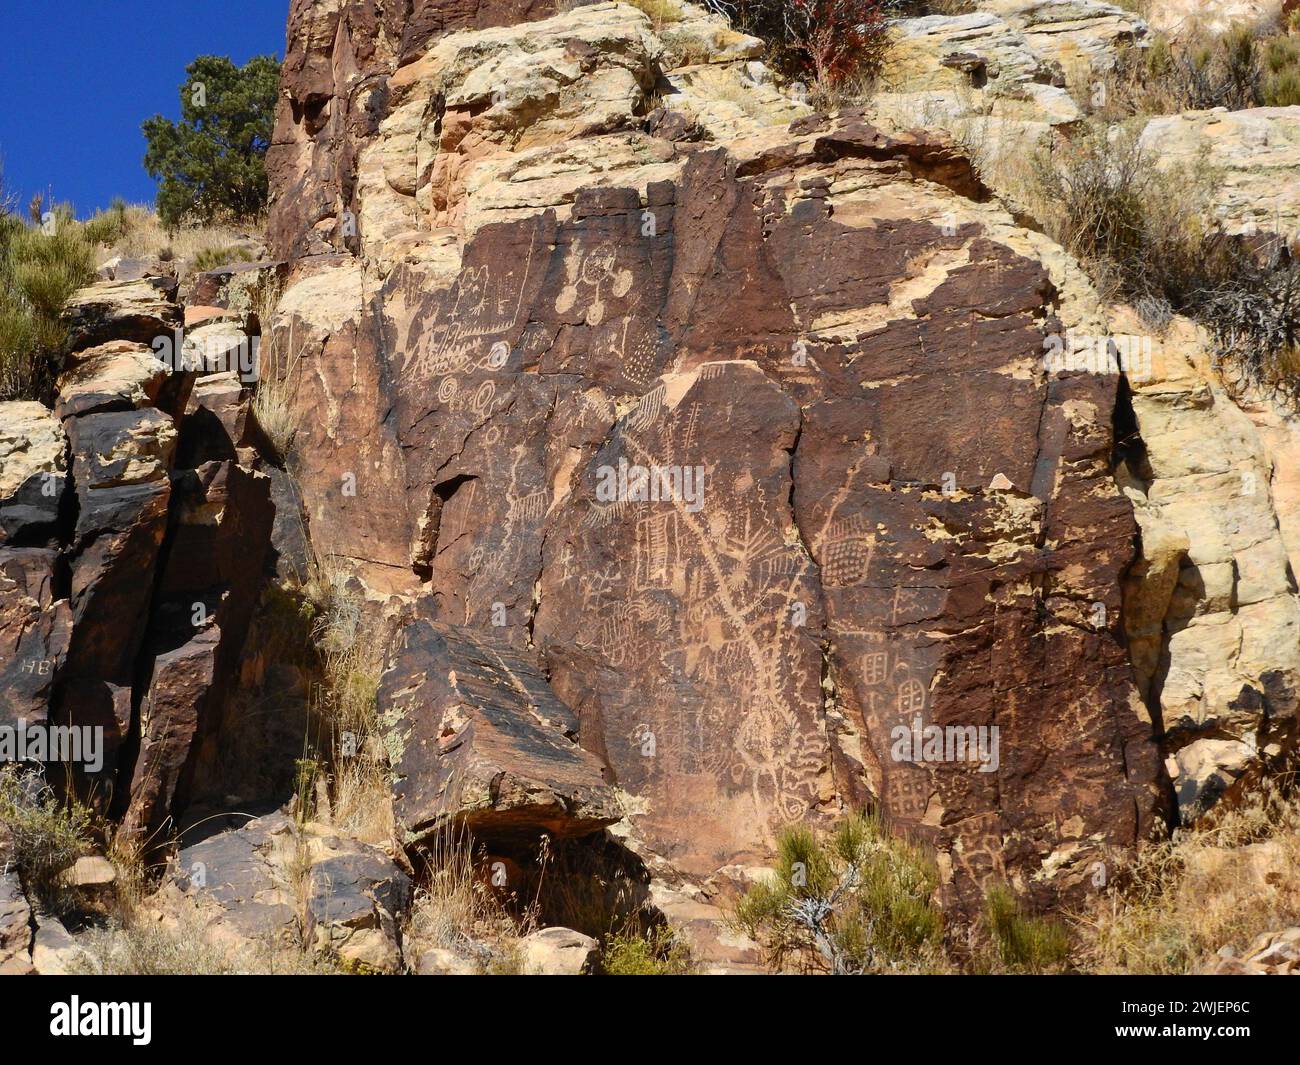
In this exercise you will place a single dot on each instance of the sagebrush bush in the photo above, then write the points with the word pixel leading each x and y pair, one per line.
pixel 1180 901
pixel 858 901
pixel 829 41
pixel 212 258
pixel 1148 236
pixel 47 835
pixel 40 267
pixel 1236 69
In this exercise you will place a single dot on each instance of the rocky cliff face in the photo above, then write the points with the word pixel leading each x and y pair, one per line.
pixel 546 258
pixel 135 535
pixel 709 464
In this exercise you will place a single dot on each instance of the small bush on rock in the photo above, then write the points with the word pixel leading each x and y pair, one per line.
pixel 46 835
pixel 830 41
pixel 1025 944
pixel 857 902
pixel 655 953
pixel 1147 236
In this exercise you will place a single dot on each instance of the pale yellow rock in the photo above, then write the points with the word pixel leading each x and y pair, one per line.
pixel 54 950
pixel 1251 156
pixel 31 444
pixel 130 373
pixel 1178 17
pixel 1231 625
pixel 557 952
pixel 728 103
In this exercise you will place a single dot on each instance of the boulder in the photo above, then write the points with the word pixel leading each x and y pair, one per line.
pixel 1177 17
pixel 1269 954
pixel 54 949
pixel 139 311
pixel 33 473
pixel 234 288
pixel 91 873
pixel 117 375
pixel 128 268
pixel 481 744
pixel 280 885
pixel 558 952
pixel 438 961
pixel 1252 155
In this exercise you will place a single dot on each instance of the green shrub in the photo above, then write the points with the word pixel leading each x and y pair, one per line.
pixel 655 953
pixel 858 901
pixel 1024 943
pixel 40 267
pixel 1281 81
pixel 211 258
pixel 47 835
pixel 110 226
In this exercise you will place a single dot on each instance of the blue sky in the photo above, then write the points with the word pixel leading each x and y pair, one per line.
pixel 77 77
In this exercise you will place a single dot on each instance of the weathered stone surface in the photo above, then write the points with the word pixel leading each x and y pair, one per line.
pixel 54 950
pixel 129 268
pixel 15 916
pixel 558 952
pixel 234 287
pixel 330 107
pixel 480 743
pixel 33 470
pixel 220 529
pixel 118 375
pixel 219 423
pixel 1215 16
pixel 1002 80
pixel 137 311
pixel 120 466
pixel 1213 615
pixel 273 883
pixel 905 520
pixel 35 626
pixel 1254 156
pixel 439 961
pixel 1268 954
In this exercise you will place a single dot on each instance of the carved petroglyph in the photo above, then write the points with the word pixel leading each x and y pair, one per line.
pixel 590 277
pixel 483 310
pixel 715 585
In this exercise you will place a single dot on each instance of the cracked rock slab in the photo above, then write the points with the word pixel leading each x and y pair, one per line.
pixel 479 742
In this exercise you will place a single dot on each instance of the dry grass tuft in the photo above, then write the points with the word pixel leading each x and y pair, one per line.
pixel 148 948
pixel 457 909
pixel 1182 900
pixel 279 359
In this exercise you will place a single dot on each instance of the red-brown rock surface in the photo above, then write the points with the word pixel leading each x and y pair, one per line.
pixel 134 548
pixel 889 513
